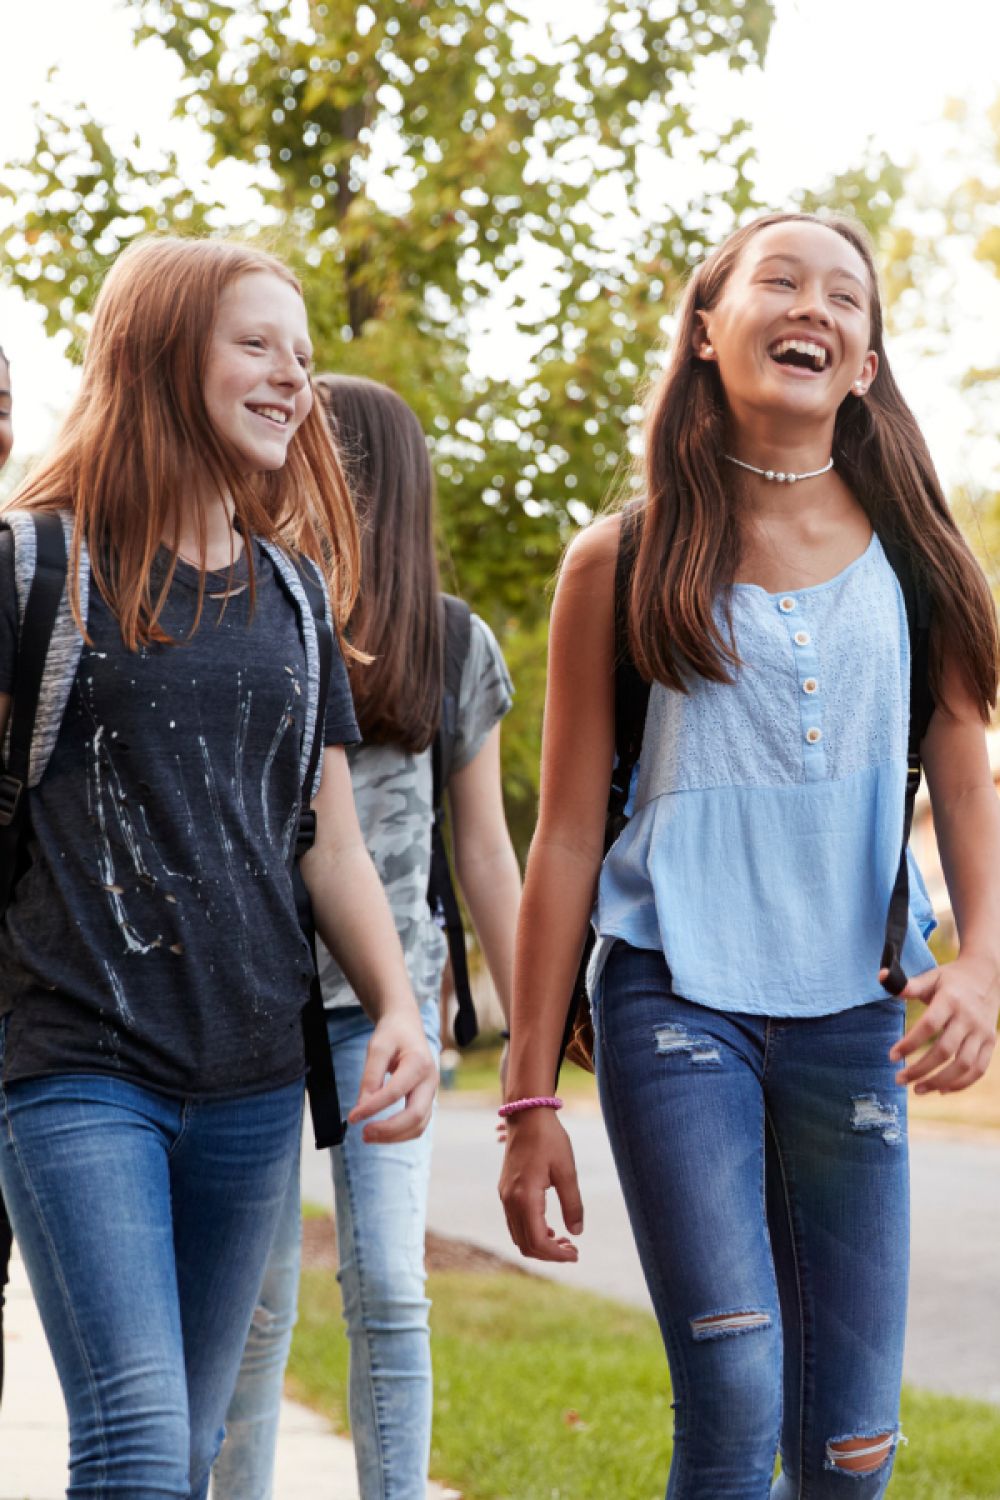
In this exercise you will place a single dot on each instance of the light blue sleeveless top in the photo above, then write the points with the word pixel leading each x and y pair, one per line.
pixel 768 812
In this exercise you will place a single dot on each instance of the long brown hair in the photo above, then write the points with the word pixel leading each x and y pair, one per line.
pixel 691 542
pixel 138 432
pixel 397 619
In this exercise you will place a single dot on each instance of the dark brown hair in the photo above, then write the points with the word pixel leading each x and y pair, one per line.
pixel 691 542
pixel 138 431
pixel 397 619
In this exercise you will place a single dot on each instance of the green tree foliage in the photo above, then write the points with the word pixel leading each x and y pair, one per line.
pixel 440 172
pixel 941 266
pixel 428 165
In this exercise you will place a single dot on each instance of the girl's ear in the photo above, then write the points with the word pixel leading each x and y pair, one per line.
pixel 868 372
pixel 701 344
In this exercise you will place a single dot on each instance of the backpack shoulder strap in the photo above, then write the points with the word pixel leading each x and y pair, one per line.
pixel 44 597
pixel 917 601
pixel 304 587
pixel 631 690
pixel 441 896
pixel 316 595
pixel 457 639
pixel 36 543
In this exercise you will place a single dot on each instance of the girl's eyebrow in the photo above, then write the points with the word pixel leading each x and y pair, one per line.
pixel 796 260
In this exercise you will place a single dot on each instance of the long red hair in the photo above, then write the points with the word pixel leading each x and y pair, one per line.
pixel 138 433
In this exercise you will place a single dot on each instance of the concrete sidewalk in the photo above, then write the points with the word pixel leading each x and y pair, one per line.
pixel 312 1461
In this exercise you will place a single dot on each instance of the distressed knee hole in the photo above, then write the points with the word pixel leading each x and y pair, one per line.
pixel 674 1039
pixel 263 1319
pixel 869 1114
pixel 719 1325
pixel 860 1455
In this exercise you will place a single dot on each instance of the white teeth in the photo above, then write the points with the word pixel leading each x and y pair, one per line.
pixel 815 352
pixel 274 412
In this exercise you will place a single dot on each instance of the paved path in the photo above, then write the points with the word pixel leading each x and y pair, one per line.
pixel 312 1461
pixel 953 1343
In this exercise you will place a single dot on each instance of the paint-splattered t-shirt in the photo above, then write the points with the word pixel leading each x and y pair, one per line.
pixel 393 792
pixel 154 935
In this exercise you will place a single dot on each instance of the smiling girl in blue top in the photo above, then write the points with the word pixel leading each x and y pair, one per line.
pixel 751 1063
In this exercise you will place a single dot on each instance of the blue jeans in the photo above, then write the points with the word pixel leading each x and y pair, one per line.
pixel 380 1194
pixel 144 1223
pixel 764 1166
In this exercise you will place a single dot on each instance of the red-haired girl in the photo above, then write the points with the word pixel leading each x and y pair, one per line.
pixel 751 1048
pixel 153 967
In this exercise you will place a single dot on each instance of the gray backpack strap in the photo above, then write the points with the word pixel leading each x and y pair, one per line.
pixel 66 642
pixel 291 580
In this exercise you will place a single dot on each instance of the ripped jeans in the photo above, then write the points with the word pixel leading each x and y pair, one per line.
pixel 764 1166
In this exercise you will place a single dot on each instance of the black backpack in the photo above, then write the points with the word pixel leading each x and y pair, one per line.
pixel 631 700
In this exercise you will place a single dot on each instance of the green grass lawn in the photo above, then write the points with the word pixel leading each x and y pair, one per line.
pixel 546 1394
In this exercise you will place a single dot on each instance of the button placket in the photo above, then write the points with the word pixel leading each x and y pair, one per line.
pixel 805 664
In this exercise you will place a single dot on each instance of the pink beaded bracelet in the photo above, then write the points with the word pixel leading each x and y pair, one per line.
pixel 517 1105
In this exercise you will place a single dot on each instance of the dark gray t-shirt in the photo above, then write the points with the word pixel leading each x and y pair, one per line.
pixel 154 935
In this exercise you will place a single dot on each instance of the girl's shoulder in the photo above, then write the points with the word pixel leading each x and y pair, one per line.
pixel 596 546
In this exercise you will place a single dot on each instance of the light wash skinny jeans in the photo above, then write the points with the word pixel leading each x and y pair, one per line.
pixel 380 1194
pixel 144 1222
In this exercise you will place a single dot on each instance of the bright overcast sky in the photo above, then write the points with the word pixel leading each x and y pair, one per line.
pixel 838 73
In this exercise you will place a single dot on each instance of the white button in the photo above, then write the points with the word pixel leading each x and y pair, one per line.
pixel 814 735
pixel 802 638
pixel 810 685
pixel 786 605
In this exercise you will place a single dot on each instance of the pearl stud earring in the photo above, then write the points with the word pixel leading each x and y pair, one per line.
pixel 859 387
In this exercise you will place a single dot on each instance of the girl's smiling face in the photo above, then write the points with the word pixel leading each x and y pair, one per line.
pixel 6 406
pixel 790 331
pixel 257 388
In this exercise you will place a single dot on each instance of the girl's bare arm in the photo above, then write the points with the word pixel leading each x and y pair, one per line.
pixel 354 920
pixel 962 998
pixel 560 881
pixel 485 862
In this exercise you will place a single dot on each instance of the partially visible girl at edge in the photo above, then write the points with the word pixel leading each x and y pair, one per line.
pixel 153 970
pixel 751 1065
pixel 6 444
pixel 381 1194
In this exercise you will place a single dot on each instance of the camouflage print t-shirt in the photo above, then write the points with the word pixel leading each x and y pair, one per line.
pixel 393 790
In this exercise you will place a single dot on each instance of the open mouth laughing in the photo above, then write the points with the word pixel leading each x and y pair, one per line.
pixel 801 354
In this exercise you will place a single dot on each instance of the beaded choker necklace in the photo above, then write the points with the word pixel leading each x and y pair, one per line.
pixel 778 476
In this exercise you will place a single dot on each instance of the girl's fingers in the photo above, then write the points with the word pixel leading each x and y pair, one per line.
pixel 965 1069
pixel 920 1033
pixel 534 1238
pixel 406 1124
pixel 943 1050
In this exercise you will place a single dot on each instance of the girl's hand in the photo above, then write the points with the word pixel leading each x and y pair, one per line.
pixel 539 1156
pixel 399 1065
pixel 960 1022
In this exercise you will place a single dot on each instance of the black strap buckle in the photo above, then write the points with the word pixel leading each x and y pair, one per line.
pixel 11 788
pixel 913 771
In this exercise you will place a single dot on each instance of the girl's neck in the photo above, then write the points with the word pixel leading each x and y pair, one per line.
pixel 223 543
